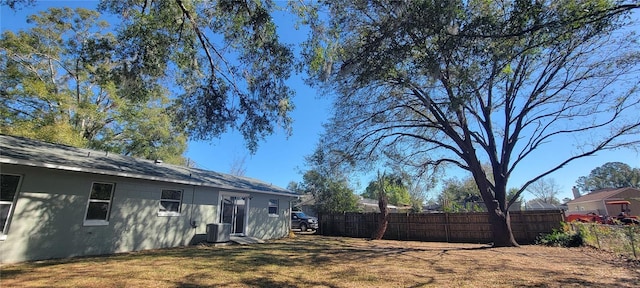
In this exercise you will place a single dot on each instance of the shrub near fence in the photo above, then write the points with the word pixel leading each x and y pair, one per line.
pixel 440 227
pixel 619 239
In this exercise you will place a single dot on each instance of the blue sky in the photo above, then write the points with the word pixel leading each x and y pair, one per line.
pixel 280 159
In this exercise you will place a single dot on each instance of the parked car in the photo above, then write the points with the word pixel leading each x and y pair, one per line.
pixel 301 221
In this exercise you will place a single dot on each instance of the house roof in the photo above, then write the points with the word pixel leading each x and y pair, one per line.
pixel 536 204
pixel 599 195
pixel 29 152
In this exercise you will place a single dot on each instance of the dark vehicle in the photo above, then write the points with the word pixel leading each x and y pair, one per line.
pixel 301 221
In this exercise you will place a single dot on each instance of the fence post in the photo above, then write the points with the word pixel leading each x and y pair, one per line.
pixel 525 226
pixel 595 232
pixel 397 228
pixel 344 224
pixel 633 246
pixel 446 226
pixel 408 230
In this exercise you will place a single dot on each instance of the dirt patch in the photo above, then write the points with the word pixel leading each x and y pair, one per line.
pixel 611 258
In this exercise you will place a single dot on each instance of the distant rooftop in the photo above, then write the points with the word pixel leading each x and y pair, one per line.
pixel 536 204
pixel 599 195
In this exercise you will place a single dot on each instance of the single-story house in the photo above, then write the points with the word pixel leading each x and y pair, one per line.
pixel 595 202
pixel 59 201
pixel 536 204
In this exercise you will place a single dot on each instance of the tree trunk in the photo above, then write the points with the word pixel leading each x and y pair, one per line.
pixel 501 228
pixel 383 217
pixel 497 207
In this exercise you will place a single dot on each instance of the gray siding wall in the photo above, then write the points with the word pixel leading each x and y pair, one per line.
pixel 49 214
pixel 264 226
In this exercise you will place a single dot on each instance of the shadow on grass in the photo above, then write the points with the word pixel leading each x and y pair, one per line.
pixel 261 282
pixel 304 250
pixel 12 270
pixel 264 282
pixel 341 259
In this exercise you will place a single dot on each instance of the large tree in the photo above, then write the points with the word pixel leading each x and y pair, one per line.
pixel 330 195
pixel 545 190
pixel 328 185
pixel 224 57
pixel 62 82
pixel 460 195
pixel 222 62
pixel 610 175
pixel 468 82
pixel 397 192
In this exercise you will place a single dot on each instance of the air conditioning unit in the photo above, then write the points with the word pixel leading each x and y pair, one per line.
pixel 218 232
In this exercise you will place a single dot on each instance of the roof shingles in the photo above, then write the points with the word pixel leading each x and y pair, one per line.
pixel 597 195
pixel 23 151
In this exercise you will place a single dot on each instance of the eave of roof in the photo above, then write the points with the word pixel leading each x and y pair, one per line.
pixel 597 196
pixel 28 152
pixel 537 204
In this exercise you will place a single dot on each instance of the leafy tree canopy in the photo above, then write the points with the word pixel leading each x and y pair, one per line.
pixel 460 195
pixel 63 82
pixel 221 62
pixel 460 190
pixel 328 184
pixel 17 4
pixel 610 175
pixel 397 192
pixel 225 57
pixel 331 196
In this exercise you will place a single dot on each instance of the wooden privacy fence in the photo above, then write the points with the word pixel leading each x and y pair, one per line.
pixel 441 227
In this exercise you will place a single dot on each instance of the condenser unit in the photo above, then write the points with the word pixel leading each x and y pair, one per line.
pixel 218 232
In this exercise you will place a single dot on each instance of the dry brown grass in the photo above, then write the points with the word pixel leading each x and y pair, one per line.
pixel 317 261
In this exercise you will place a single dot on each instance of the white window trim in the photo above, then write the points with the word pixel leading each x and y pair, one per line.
pixel 247 203
pixel 171 213
pixel 277 214
pixel 11 206
pixel 99 222
pixel 94 222
pixel 7 225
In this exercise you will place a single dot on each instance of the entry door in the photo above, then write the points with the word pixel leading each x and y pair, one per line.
pixel 234 211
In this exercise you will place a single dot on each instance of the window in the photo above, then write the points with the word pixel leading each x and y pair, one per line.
pixel 8 198
pixel 273 207
pixel 170 202
pixel 99 204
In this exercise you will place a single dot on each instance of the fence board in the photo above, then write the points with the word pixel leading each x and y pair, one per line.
pixel 441 227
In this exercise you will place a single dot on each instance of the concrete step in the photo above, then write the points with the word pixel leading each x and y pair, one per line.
pixel 244 240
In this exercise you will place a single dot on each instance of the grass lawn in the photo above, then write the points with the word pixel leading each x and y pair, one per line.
pixel 318 261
